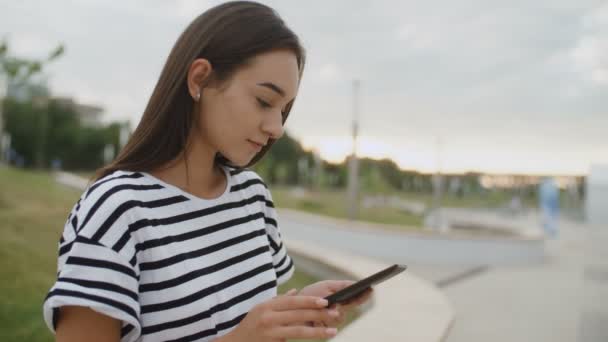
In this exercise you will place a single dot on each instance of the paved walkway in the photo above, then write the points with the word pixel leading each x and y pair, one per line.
pixel 412 246
pixel 563 299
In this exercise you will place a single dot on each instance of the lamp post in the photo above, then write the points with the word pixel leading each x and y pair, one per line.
pixel 353 164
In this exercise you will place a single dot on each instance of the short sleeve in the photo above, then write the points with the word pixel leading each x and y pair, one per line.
pixel 283 264
pixel 97 277
pixel 92 274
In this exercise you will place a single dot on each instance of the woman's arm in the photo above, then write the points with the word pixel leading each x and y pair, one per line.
pixel 79 323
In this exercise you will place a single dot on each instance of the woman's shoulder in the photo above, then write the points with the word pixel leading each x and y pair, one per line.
pixel 114 197
pixel 118 184
pixel 246 179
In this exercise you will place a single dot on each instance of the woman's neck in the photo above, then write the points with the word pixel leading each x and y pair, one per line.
pixel 195 172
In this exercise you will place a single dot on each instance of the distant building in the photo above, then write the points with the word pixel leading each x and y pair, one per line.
pixel 597 195
pixel 89 115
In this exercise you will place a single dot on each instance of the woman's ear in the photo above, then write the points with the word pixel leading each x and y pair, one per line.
pixel 198 75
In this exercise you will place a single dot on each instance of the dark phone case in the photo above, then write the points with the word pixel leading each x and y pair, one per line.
pixel 362 285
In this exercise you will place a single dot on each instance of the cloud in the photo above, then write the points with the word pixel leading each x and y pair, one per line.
pixel 328 72
pixel 479 73
pixel 590 55
pixel 188 8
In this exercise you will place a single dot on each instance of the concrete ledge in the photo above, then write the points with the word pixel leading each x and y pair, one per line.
pixel 400 243
pixel 414 232
pixel 406 308
pixel 71 180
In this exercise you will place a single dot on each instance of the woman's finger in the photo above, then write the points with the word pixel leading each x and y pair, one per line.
pixel 302 332
pixel 328 317
pixel 294 302
pixel 291 292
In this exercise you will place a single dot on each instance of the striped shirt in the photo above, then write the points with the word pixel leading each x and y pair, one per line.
pixel 167 264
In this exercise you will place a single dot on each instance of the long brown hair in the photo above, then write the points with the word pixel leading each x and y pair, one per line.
pixel 227 35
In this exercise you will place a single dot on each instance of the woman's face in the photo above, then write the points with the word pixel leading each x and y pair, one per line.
pixel 239 117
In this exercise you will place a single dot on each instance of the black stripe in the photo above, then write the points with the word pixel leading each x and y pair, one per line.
pixel 75 224
pixel 278 249
pixel 61 239
pixel 270 221
pixel 87 241
pixel 210 332
pixel 73 260
pixel 114 190
pixel 132 204
pixel 269 203
pixel 146 266
pixel 207 314
pixel 289 267
pixel 96 185
pixel 72 217
pixel 126 330
pixel 280 264
pixel 206 291
pixel 237 171
pixel 231 323
pixel 202 272
pixel 66 248
pixel 55 316
pixel 273 244
pixel 196 233
pixel 126 236
pixel 133 260
pixel 116 304
pixel 100 285
pixel 247 184
pixel 135 226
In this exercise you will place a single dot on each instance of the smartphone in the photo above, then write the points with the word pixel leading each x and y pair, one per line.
pixel 356 289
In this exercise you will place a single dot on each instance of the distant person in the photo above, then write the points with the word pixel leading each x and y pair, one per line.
pixel 549 206
pixel 515 205
pixel 177 239
pixel 56 164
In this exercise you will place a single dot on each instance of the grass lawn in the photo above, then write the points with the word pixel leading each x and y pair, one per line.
pixel 33 210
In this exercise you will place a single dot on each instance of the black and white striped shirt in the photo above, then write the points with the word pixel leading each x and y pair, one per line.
pixel 170 265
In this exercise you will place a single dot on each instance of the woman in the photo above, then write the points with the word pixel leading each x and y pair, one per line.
pixel 176 239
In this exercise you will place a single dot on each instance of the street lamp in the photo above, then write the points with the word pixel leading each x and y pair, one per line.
pixel 353 165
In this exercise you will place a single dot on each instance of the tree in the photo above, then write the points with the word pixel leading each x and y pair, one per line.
pixel 18 72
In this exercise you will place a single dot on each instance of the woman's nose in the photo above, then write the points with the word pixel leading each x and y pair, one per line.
pixel 273 126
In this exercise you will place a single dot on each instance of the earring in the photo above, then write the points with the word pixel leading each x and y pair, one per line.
pixel 197 97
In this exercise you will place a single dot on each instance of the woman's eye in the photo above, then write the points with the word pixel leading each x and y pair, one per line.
pixel 263 103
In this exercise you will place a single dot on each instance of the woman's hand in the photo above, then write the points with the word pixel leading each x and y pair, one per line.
pixel 327 287
pixel 284 317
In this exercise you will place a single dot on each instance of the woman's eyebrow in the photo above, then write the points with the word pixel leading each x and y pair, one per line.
pixel 274 87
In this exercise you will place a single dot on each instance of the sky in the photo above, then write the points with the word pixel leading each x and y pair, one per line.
pixel 456 86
